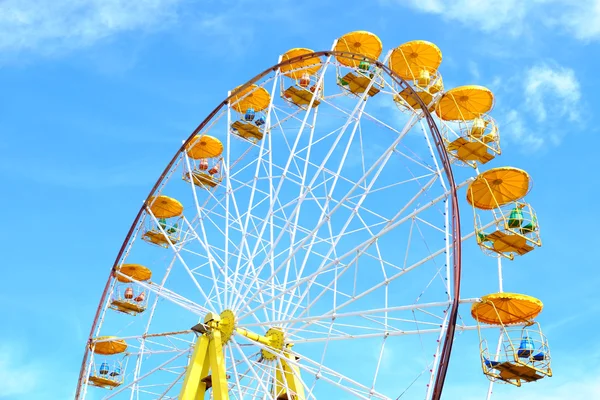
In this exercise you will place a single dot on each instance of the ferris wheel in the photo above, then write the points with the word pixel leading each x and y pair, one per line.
pixel 305 242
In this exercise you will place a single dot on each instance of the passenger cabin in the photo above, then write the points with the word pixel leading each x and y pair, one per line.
pixel 505 224
pixel 303 76
pixel 203 167
pixel 355 74
pixel 248 104
pixel 106 369
pixel 128 297
pixel 470 135
pixel 417 63
pixel 523 354
pixel 163 221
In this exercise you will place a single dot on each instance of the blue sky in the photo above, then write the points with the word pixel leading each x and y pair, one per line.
pixel 97 96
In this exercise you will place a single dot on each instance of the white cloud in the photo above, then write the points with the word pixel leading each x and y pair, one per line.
pixel 17 376
pixel 552 89
pixel 50 25
pixel 487 15
pixel 579 18
pixel 551 100
pixel 513 127
pixel 582 19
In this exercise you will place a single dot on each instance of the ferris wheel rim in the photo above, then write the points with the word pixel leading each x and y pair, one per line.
pixel 456 246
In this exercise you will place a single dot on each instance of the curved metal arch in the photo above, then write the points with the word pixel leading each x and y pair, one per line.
pixel 437 137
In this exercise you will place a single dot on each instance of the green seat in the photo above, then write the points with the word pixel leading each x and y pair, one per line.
pixel 342 82
pixel 530 227
pixel 163 223
pixel 515 219
pixel 482 237
pixel 172 229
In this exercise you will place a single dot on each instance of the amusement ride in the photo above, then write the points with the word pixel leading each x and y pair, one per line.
pixel 305 242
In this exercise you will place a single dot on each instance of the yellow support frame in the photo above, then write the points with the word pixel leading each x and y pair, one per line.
pixel 206 368
pixel 207 357
pixel 288 378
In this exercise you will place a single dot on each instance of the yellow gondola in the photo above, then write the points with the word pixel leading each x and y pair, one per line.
pixel 248 102
pixel 107 373
pixel 511 227
pixel 303 72
pixel 166 231
pixel 126 298
pixel 362 79
pixel 523 354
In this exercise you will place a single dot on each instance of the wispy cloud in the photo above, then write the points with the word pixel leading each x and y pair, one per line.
pixel 488 16
pixel 547 100
pixel 49 26
pixel 553 89
pixel 19 375
pixel 579 18
pixel 582 19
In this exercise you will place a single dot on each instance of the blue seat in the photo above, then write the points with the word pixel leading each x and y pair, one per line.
pixel 249 116
pixel 526 347
pixel 490 363
pixel 103 368
pixel 541 356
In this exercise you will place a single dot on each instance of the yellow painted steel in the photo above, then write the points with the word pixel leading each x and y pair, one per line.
pixel 296 69
pixel 207 357
pixel 465 103
pixel 288 377
pixel 253 336
pixel 498 186
pixel 364 43
pixel 193 388
pixel 204 146
pixel 409 59
pixel 217 366
pixel 134 271
pixel 109 346
pixel 253 96
pixel 506 309
pixel 165 207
